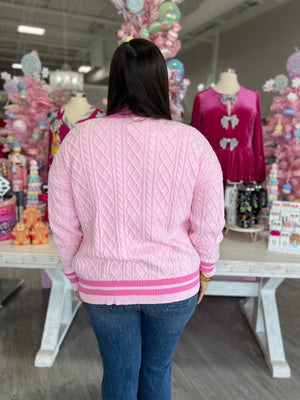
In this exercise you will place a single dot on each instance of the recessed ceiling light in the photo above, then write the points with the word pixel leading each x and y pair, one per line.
pixel 84 69
pixel 16 66
pixel 31 29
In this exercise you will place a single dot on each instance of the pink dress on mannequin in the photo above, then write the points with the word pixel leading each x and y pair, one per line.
pixel 235 136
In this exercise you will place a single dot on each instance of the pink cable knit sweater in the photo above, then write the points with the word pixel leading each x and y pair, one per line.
pixel 136 207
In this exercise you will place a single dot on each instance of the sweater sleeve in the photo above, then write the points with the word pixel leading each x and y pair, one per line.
pixel 63 218
pixel 207 211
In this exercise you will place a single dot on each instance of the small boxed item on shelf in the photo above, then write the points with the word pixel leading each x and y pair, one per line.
pixel 285 227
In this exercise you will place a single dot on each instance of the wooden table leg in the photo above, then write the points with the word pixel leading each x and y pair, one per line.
pixel 262 315
pixel 62 307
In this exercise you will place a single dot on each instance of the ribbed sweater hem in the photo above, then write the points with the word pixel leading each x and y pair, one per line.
pixel 139 292
pixel 138 298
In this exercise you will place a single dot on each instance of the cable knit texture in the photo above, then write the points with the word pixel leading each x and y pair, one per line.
pixel 136 208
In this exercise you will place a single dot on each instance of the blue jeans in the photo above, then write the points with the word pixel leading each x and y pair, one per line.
pixel 136 343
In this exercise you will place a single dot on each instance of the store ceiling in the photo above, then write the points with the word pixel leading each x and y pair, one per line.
pixel 81 32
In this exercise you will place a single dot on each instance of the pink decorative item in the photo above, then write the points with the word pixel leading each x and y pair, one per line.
pixel 160 42
pixel 6 237
pixel 44 102
pixel 281 140
pixel 33 151
pixel 34 184
pixel 7 217
pixel 296 147
pixel 8 210
pixel 296 173
pixel 27 116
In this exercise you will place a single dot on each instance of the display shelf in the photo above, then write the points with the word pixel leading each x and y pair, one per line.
pixel 254 230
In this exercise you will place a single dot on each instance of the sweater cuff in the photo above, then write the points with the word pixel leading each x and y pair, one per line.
pixel 208 269
pixel 73 278
pixel 75 286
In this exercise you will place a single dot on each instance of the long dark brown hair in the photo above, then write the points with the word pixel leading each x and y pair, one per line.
pixel 138 79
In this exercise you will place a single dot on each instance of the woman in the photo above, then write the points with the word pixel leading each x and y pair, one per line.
pixel 136 209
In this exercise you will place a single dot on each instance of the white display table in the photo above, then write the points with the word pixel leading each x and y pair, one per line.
pixel 239 257
pixel 63 303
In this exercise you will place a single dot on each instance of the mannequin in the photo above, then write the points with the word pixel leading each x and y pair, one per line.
pixel 229 116
pixel 227 83
pixel 65 118
pixel 77 108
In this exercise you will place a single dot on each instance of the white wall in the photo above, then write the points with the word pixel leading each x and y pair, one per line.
pixel 257 50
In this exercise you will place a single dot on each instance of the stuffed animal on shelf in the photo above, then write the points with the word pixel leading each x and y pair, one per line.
pixel 20 235
pixel 40 233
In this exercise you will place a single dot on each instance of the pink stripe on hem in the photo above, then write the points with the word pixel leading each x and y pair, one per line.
pixel 73 280
pixel 137 292
pixel 72 274
pixel 157 282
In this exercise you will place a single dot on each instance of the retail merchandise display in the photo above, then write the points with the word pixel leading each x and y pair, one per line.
pixel 27 140
pixel 7 215
pixel 272 184
pixel 158 21
pixel 27 111
pixel 32 230
pixel 282 133
pixel 243 203
pixel 231 195
pixel 251 198
pixel 285 227
pixel 7 207
pixel 229 116
pixel 34 184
